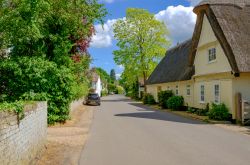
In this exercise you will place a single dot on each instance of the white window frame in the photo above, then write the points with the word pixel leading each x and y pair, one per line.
pixel 177 90
pixel 212 52
pixel 202 101
pixel 217 97
pixel 188 90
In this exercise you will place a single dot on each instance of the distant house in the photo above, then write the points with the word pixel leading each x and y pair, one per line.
pixel 141 87
pixel 96 84
pixel 214 66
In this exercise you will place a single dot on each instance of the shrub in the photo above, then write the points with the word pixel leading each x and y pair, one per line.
pixel 175 102
pixel 191 110
pixel 163 96
pixel 148 99
pixel 34 78
pixel 104 92
pixel 219 112
pixel 120 89
pixel 201 112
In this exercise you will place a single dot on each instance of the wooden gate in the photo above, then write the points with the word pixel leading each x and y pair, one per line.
pixel 245 112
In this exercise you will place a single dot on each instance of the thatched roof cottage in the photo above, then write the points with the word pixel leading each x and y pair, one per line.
pixel 217 66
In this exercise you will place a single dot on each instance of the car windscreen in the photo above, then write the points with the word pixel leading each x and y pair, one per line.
pixel 94 96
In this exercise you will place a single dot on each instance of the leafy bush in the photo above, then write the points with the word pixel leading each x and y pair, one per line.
pixel 34 78
pixel 191 110
pixel 175 102
pixel 112 88
pixel 104 92
pixel 201 112
pixel 120 89
pixel 148 99
pixel 163 96
pixel 219 112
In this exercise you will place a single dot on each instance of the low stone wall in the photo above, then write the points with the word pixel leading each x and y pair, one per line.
pixel 21 142
pixel 76 104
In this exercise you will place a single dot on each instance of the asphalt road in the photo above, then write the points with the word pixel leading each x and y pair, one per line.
pixel 127 133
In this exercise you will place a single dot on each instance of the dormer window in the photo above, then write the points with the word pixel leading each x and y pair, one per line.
pixel 211 55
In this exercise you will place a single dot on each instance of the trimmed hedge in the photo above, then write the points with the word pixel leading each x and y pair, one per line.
pixel 148 99
pixel 219 112
pixel 163 96
pixel 175 102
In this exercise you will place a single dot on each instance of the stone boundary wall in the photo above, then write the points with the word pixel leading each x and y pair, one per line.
pixel 21 142
pixel 76 104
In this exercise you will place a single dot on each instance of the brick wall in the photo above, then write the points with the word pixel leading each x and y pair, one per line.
pixel 20 144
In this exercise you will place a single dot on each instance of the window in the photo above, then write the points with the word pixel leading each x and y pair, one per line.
pixel 177 90
pixel 202 93
pixel 217 93
pixel 188 90
pixel 211 54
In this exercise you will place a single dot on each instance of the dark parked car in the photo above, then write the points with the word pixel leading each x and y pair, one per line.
pixel 93 99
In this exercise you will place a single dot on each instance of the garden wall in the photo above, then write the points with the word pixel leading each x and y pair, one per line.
pixel 76 104
pixel 21 142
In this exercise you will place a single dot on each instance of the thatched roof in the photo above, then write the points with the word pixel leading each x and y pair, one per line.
pixel 230 21
pixel 174 66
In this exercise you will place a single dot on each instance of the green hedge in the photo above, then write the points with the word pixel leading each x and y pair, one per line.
pixel 175 102
pixel 37 79
pixel 163 96
pixel 219 112
pixel 148 99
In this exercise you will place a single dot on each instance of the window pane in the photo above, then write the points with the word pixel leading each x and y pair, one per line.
pixel 202 93
pixel 216 93
pixel 212 54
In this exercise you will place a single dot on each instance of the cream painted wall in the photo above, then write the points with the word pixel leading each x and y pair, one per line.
pixel 182 88
pixel 208 40
pixel 242 85
pixel 226 93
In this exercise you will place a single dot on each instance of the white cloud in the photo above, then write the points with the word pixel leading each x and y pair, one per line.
pixel 104 35
pixel 121 67
pixel 118 76
pixel 179 20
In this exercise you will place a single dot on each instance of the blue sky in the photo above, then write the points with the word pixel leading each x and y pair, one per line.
pixel 176 14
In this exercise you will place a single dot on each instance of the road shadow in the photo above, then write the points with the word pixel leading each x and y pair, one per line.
pixel 117 100
pixel 150 113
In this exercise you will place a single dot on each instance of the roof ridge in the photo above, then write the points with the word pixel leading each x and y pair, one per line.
pixel 179 45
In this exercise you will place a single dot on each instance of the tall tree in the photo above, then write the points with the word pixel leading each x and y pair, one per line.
pixel 48 41
pixel 103 74
pixel 112 76
pixel 142 41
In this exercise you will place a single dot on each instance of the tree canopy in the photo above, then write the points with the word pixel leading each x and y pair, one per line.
pixel 142 42
pixel 48 58
pixel 112 76
pixel 103 74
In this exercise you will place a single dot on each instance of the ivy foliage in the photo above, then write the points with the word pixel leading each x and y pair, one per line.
pixel 47 42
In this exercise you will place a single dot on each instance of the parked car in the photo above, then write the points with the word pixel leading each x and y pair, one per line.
pixel 93 99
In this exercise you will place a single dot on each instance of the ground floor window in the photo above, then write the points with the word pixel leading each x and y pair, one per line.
pixel 217 93
pixel 177 90
pixel 202 93
pixel 188 90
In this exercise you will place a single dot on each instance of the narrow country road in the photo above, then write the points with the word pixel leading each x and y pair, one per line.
pixel 126 133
